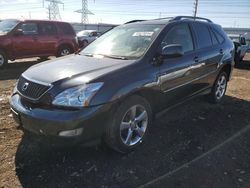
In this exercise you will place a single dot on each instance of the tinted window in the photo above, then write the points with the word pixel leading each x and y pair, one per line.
pixel 29 28
pixel 94 34
pixel 218 36
pixel 203 35
pixel 214 39
pixel 47 28
pixel 179 34
pixel 66 28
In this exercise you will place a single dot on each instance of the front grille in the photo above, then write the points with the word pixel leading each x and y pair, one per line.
pixel 31 90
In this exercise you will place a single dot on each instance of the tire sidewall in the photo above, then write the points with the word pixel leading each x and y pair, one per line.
pixel 119 114
pixel 59 54
pixel 214 98
pixel 5 59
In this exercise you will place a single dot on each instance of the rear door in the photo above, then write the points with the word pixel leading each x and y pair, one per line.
pixel 48 38
pixel 175 76
pixel 25 45
pixel 207 57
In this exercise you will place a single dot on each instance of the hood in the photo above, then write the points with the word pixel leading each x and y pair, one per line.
pixel 88 68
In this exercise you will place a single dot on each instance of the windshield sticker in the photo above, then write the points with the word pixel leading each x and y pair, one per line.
pixel 143 33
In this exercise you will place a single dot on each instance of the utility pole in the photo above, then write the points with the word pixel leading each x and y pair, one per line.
pixel 195 7
pixel 84 12
pixel 53 9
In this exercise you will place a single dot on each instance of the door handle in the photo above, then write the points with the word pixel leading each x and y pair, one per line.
pixel 197 66
pixel 196 59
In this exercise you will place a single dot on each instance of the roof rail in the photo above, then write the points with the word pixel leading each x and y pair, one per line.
pixel 132 21
pixel 165 18
pixel 190 17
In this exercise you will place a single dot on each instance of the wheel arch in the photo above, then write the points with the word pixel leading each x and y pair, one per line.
pixel 65 44
pixel 228 69
pixel 150 95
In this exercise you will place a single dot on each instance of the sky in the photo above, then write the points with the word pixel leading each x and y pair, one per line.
pixel 228 13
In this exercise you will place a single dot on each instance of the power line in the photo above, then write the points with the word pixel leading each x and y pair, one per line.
pixel 84 12
pixel 53 9
pixel 195 7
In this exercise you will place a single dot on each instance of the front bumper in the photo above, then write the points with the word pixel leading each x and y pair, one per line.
pixel 49 122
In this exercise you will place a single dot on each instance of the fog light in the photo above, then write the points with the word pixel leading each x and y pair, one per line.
pixel 69 133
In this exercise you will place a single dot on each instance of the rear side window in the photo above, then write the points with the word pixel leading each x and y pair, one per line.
pixel 218 36
pixel 214 38
pixel 179 34
pixel 66 28
pixel 202 35
pixel 47 28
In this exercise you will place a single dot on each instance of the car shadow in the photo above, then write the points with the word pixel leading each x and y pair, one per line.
pixel 14 69
pixel 244 65
pixel 179 136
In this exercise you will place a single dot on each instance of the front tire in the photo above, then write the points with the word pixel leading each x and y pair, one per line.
pixel 85 43
pixel 3 59
pixel 219 88
pixel 129 125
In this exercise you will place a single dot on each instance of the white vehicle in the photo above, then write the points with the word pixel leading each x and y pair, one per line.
pixel 87 36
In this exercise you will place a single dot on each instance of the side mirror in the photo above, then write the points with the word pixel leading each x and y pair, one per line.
pixel 172 50
pixel 19 32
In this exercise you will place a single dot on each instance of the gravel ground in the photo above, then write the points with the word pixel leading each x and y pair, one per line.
pixel 180 136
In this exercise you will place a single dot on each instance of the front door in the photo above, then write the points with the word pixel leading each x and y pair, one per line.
pixel 25 44
pixel 175 75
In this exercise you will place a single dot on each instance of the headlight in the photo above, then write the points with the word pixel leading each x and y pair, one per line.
pixel 77 96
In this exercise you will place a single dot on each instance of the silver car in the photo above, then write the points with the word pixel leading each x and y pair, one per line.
pixel 87 36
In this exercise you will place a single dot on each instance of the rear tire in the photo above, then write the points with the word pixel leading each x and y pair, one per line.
pixel 129 126
pixel 219 88
pixel 3 59
pixel 63 51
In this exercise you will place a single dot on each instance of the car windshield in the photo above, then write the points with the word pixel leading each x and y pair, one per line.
pixel 126 41
pixel 7 25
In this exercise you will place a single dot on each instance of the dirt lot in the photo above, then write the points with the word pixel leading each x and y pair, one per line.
pixel 188 132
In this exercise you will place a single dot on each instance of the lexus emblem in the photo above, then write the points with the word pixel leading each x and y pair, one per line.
pixel 25 86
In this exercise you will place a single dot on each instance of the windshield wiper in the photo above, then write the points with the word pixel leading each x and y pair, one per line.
pixel 114 56
pixel 108 56
pixel 89 55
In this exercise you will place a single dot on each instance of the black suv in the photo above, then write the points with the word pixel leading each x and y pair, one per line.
pixel 113 88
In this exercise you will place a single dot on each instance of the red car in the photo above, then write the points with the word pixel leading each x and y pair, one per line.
pixel 35 38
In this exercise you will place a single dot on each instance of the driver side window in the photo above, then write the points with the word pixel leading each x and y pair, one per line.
pixel 179 34
pixel 29 28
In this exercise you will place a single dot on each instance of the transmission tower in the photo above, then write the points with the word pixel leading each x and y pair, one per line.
pixel 53 9
pixel 85 12
pixel 195 8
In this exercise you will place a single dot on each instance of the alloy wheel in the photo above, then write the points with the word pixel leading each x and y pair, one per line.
pixel 65 52
pixel 220 87
pixel 1 60
pixel 134 124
